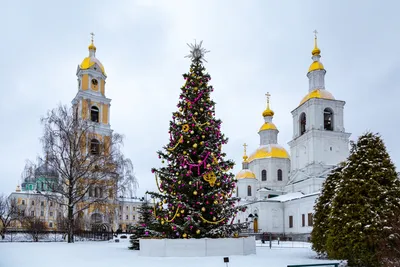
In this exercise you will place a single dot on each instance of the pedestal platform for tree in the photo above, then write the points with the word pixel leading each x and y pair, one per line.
pixel 197 247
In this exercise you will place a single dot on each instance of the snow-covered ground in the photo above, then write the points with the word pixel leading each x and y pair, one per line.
pixel 105 254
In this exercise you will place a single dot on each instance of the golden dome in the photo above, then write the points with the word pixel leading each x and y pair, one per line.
pixel 268 126
pixel 268 112
pixel 316 65
pixel 318 93
pixel 245 174
pixel 88 62
pixel 92 47
pixel 269 151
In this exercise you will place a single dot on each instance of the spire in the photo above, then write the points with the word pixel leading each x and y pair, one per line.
pixel 316 50
pixel 245 164
pixel 245 157
pixel 92 47
pixel 268 112
pixel 316 72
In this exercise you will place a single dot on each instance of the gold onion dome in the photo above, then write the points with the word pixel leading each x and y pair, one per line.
pixel 316 65
pixel 268 112
pixel 269 151
pixel 91 60
pixel 318 93
pixel 245 174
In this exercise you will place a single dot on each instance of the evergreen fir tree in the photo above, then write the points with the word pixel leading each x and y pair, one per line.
pixel 364 201
pixel 144 225
pixel 323 210
pixel 195 198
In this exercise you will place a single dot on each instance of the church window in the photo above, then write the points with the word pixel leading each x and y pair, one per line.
pixel 95 147
pixel 249 191
pixel 42 213
pixel 279 175
pixel 50 225
pixel 33 203
pixel 23 202
pixel 290 221
pixel 328 119
pixel 303 123
pixel 310 219
pixel 32 213
pixel 94 114
pixel 303 220
pixel 263 175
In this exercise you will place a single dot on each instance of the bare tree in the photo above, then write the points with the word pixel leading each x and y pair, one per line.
pixel 9 211
pixel 35 226
pixel 86 160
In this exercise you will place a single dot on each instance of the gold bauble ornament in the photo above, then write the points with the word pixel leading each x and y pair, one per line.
pixel 214 219
pixel 179 182
pixel 160 203
pixel 218 184
pixel 184 152
pixel 203 209
pixel 194 145
pixel 208 165
pixel 190 182
pixel 188 142
pixel 162 222
pixel 215 202
pixel 191 132
pixel 201 109
pixel 203 136
pixel 195 193
pixel 178 215
pixel 198 232
pixel 165 201
pixel 177 173
pixel 196 113
pixel 199 161
pixel 180 109
pixel 184 235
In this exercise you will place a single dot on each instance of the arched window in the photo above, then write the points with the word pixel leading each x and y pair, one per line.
pixel 303 123
pixel 328 119
pixel 279 175
pixel 263 175
pixel 95 147
pixel 94 114
pixel 249 191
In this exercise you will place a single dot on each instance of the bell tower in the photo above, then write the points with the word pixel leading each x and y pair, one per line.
pixel 319 137
pixel 90 100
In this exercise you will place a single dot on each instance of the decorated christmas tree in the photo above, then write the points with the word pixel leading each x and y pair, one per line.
pixel 195 185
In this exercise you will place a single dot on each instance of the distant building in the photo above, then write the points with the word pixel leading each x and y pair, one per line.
pixel 93 105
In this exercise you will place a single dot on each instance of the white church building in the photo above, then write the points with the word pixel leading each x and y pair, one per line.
pixel 280 190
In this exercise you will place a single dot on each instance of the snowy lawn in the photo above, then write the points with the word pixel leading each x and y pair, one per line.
pixel 106 254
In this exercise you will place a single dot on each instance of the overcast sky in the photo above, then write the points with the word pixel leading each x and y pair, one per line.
pixel 256 47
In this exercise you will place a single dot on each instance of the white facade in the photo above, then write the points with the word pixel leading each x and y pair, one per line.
pixel 285 205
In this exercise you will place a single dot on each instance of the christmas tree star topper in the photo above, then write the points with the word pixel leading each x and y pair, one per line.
pixel 197 52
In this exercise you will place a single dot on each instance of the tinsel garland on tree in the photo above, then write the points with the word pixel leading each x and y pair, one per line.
pixel 195 185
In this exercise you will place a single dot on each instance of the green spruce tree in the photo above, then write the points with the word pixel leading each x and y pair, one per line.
pixel 195 198
pixel 323 210
pixel 144 225
pixel 364 201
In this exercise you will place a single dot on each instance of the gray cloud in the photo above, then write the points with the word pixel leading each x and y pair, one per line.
pixel 256 46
